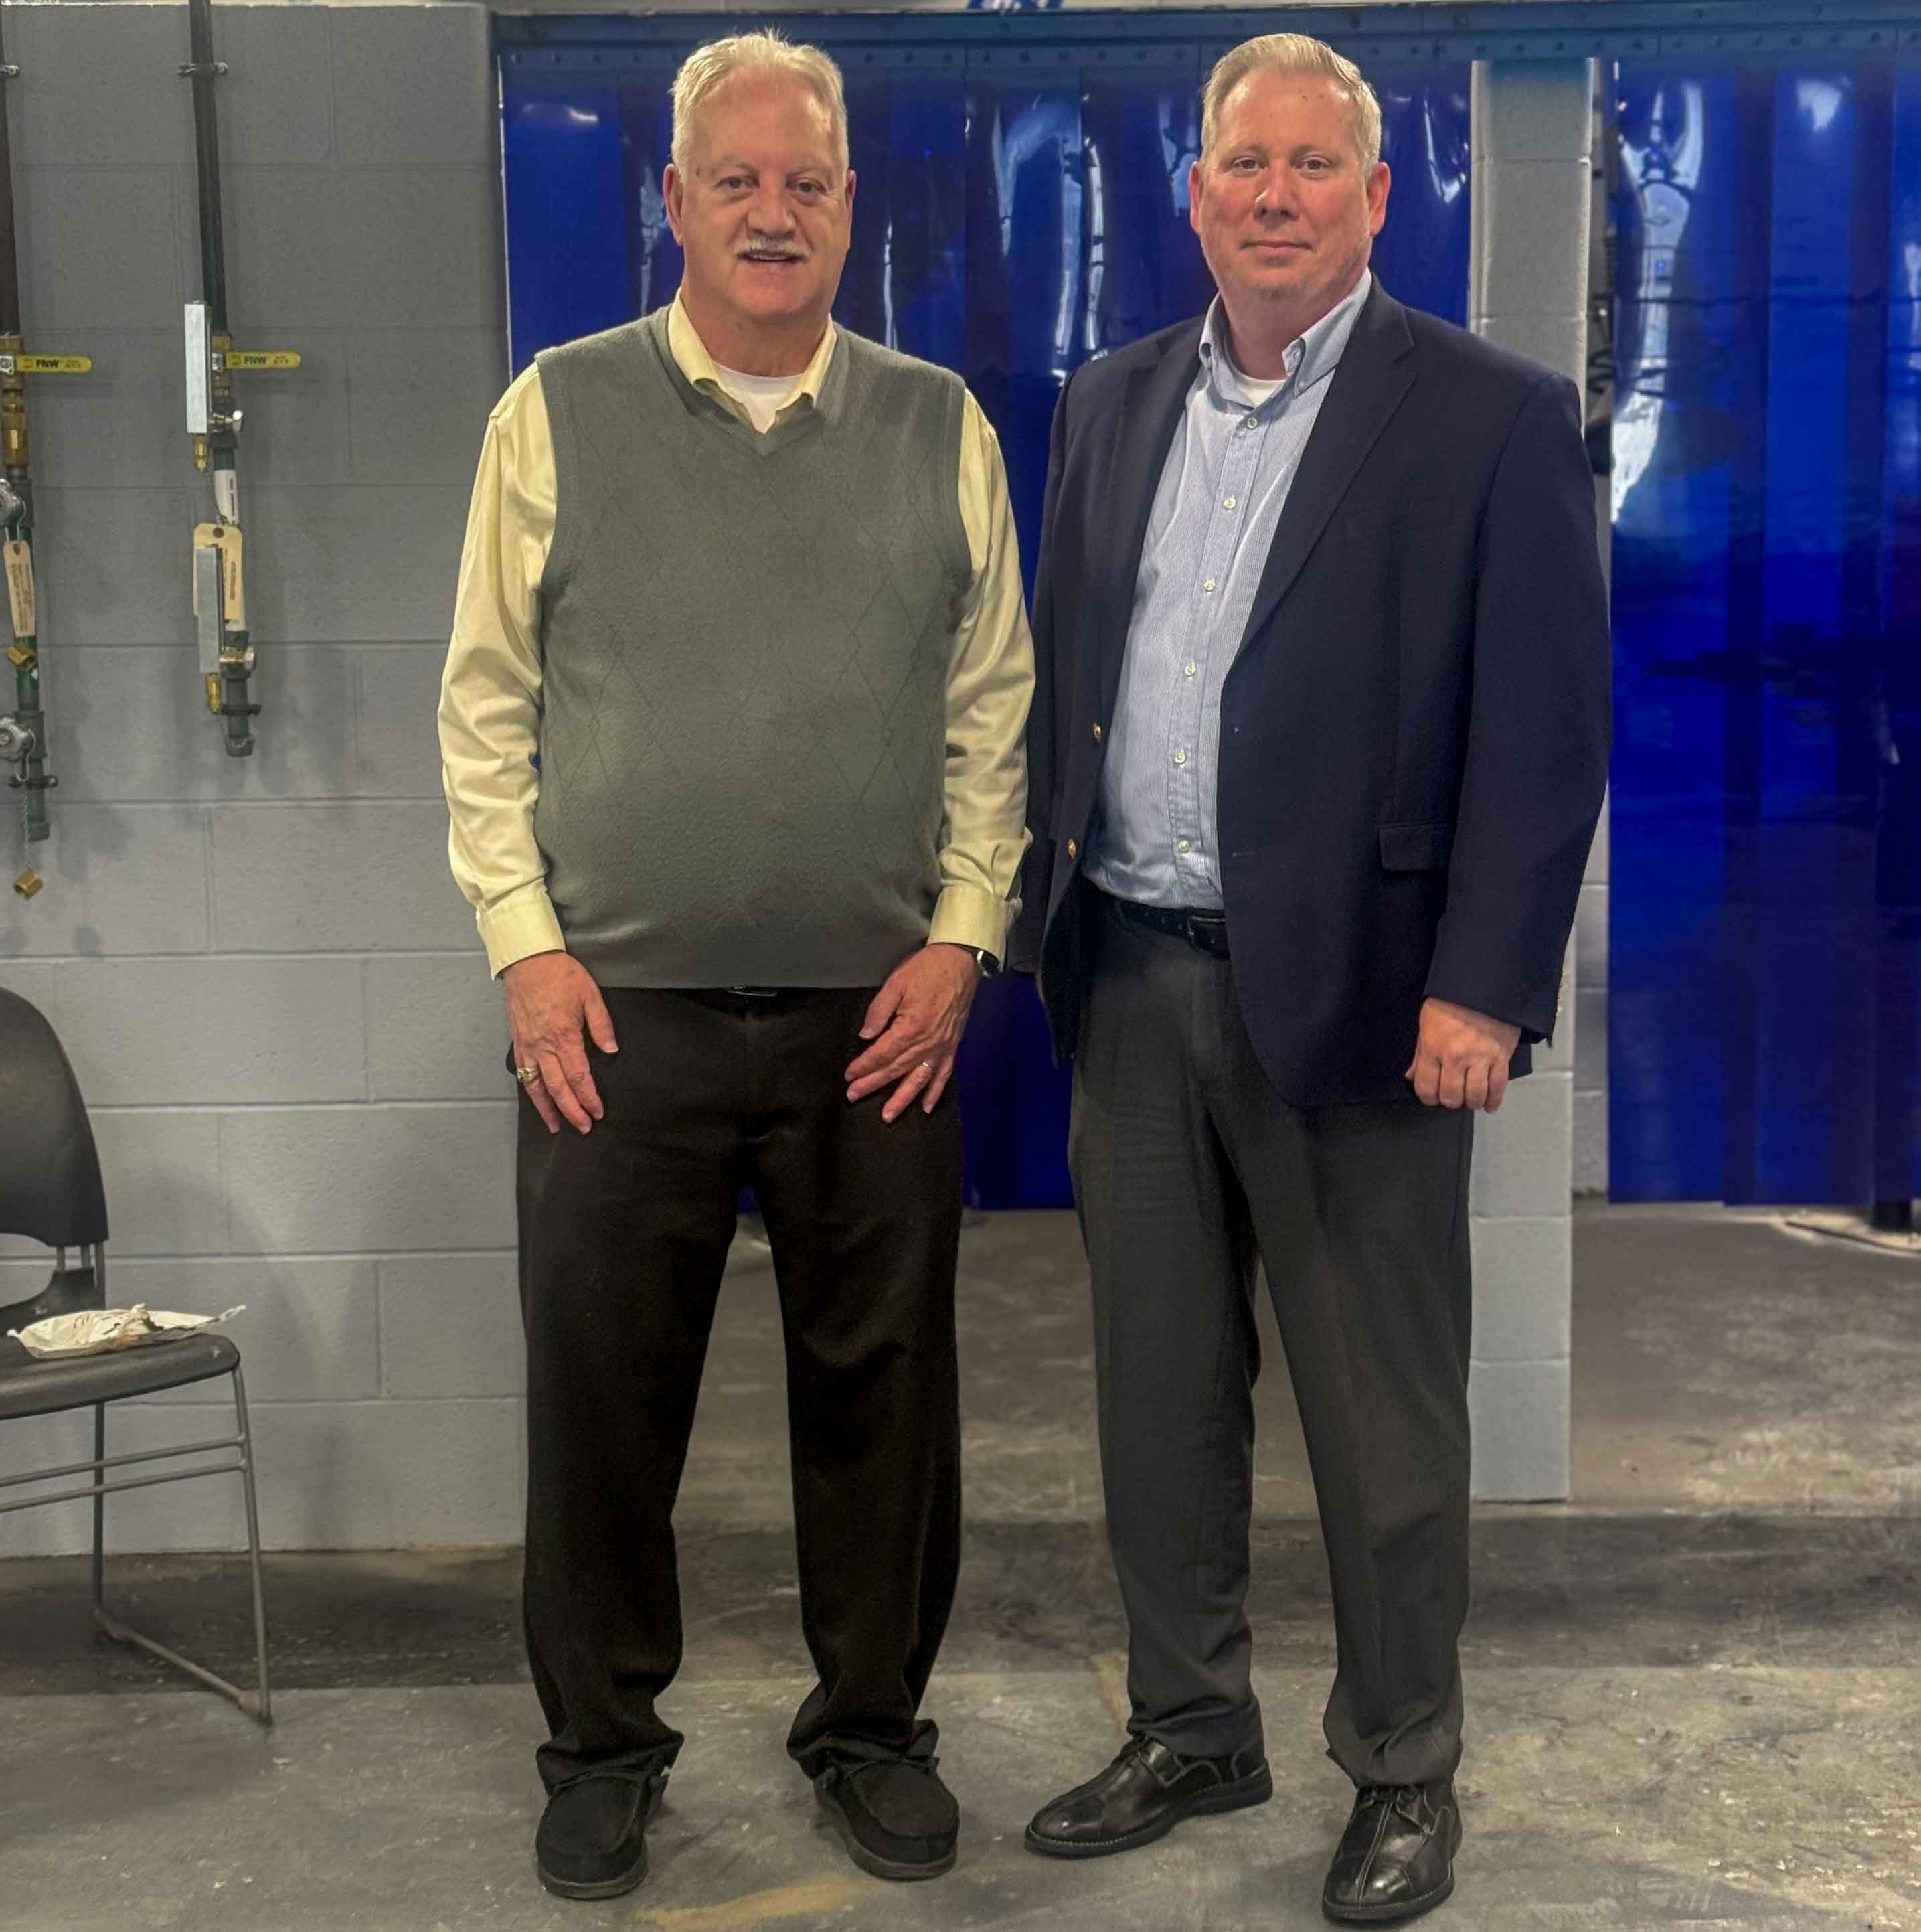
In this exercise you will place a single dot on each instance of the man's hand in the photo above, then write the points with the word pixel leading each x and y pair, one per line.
pixel 915 1026
pixel 1462 1058
pixel 551 998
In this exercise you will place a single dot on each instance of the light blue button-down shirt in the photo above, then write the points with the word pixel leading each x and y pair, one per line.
pixel 1225 480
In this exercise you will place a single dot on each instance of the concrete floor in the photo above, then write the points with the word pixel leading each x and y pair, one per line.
pixel 1692 1695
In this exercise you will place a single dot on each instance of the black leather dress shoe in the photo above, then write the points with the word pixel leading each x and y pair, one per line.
pixel 1143 1794
pixel 1397 1855
pixel 591 1843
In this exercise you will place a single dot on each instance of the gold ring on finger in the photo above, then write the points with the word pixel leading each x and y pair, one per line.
pixel 527 1075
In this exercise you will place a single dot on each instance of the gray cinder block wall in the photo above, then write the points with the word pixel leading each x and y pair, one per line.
pixel 267 981
pixel 1531 137
pixel 1590 1064
pixel 1590 1037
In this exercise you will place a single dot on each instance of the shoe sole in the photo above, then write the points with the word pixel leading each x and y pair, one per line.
pixel 871 1862
pixel 1388 1915
pixel 1241 1795
pixel 604 1887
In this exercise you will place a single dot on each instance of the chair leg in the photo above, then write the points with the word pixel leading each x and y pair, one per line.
pixel 264 1710
pixel 256 1703
pixel 99 1506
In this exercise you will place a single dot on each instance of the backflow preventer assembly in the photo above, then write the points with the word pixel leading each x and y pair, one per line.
pixel 220 592
pixel 23 739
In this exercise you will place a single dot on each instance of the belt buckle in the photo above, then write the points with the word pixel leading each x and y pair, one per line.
pixel 1204 932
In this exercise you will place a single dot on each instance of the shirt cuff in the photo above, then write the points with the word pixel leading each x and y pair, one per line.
pixel 520 924
pixel 967 916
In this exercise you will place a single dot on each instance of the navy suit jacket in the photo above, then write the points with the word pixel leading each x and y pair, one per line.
pixel 1415 733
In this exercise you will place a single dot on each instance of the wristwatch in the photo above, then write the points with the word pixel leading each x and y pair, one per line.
pixel 988 964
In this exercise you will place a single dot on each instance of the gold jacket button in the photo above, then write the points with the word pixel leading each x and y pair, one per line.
pixel 1073 850
pixel 1097 734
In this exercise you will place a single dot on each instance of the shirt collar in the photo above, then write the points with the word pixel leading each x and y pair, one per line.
pixel 700 369
pixel 1310 357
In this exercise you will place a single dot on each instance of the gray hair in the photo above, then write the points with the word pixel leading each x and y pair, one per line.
pixel 1292 53
pixel 768 50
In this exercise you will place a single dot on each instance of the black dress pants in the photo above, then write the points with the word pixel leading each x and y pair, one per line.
pixel 623 1235
pixel 1188 1167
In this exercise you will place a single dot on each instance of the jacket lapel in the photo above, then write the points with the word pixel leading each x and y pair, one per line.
pixel 1377 370
pixel 1150 414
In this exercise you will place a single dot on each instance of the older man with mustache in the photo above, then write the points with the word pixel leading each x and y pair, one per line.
pixel 731 728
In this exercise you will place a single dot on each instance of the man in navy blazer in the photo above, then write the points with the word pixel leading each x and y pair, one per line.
pixel 1317 750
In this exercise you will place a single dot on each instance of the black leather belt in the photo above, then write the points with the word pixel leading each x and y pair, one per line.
pixel 1207 931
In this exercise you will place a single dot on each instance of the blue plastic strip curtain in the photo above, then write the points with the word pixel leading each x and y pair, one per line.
pixel 1020 210
pixel 1765 901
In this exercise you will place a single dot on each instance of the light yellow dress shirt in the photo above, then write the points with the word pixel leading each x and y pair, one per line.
pixel 490 691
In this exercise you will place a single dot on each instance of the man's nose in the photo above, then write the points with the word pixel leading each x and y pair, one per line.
pixel 1276 195
pixel 769 214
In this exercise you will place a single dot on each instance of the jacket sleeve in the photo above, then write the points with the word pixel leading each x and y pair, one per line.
pixel 1539 726
pixel 1037 879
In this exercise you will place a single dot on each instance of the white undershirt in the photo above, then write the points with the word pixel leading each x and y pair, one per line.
pixel 763 396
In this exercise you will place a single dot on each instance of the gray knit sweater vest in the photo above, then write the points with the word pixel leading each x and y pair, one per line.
pixel 745 642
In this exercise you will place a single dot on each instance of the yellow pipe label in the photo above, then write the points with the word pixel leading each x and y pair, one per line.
pixel 53 365
pixel 262 358
pixel 19 560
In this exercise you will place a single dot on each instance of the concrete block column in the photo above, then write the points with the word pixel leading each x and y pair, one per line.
pixel 1532 130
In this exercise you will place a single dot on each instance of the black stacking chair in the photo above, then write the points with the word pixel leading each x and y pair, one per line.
pixel 50 1189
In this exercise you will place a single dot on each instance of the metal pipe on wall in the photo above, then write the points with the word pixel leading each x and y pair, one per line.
pixel 227 656
pixel 23 731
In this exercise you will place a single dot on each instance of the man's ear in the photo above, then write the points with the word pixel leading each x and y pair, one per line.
pixel 673 189
pixel 1379 182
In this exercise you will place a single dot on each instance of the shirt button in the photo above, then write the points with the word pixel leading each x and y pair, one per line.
pixel 1249 422
pixel 1193 670
pixel 1228 502
pixel 1180 757
pixel 1209 587
pixel 1186 847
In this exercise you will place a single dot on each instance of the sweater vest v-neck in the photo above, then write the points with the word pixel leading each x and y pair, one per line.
pixel 745 645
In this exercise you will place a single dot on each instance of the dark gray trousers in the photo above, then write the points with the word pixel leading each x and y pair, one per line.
pixel 1189 1166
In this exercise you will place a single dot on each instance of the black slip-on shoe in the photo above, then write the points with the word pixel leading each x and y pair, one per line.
pixel 896 1818
pixel 592 1841
pixel 1396 1857
pixel 1143 1795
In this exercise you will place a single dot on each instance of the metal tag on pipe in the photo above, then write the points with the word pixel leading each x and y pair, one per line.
pixel 207 607
pixel 199 375
pixel 20 601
